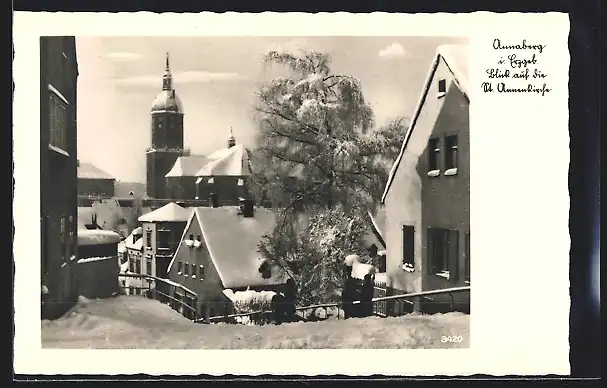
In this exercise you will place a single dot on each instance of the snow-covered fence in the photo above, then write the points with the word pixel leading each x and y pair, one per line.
pixel 179 297
pixel 255 307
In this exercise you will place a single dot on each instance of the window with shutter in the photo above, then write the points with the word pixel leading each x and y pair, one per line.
pixel 433 155
pixel 438 251
pixel 453 255
pixel 408 247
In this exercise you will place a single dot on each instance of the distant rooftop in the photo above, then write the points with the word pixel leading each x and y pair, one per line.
pixel 89 171
pixel 187 166
pixel 170 212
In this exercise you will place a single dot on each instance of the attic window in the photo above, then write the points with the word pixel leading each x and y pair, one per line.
pixel 442 87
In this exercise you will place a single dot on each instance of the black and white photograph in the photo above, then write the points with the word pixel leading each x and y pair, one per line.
pixel 240 184
pixel 255 192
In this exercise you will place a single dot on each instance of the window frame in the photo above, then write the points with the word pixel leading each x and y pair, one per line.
pixel 148 238
pixel 160 240
pixel 408 248
pixel 434 155
pixel 445 241
pixel 148 266
pixel 442 87
pixel 58 116
pixel 451 154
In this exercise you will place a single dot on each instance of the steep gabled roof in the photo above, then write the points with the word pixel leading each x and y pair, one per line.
pixel 456 59
pixel 89 171
pixel 171 212
pixel 138 243
pixel 233 161
pixel 232 241
pixel 187 166
pixel 377 223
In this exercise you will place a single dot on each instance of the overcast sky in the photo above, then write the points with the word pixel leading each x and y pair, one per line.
pixel 216 78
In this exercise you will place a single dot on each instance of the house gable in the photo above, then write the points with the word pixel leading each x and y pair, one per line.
pixel 206 283
pixel 450 64
pixel 403 194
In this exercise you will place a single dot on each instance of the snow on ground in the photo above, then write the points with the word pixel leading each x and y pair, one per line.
pixel 134 322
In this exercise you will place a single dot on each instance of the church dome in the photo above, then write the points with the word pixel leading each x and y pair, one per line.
pixel 168 101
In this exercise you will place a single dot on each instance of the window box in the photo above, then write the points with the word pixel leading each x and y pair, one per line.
pixel 58 150
pixel 433 173
pixel 443 274
pixel 451 172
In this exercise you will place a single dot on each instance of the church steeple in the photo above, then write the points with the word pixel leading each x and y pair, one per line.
pixel 167 79
pixel 231 139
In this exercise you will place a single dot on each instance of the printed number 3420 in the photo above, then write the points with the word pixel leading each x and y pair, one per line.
pixel 452 338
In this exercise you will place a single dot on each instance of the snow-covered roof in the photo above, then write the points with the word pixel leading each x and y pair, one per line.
pixel 187 166
pixel 171 212
pixel 237 263
pixel 377 224
pixel 456 58
pixel 89 171
pixel 121 247
pixel 233 161
pixel 93 259
pixel 97 236
pixel 136 246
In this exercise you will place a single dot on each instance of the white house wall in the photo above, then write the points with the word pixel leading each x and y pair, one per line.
pixel 403 201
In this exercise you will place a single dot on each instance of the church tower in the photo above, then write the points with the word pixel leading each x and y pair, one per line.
pixel 167 136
